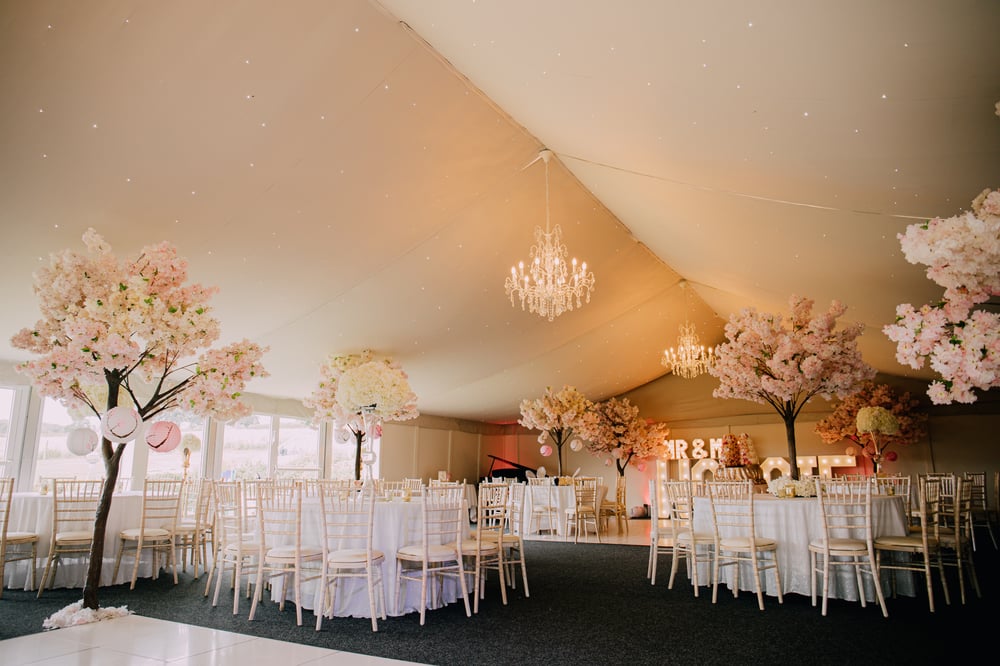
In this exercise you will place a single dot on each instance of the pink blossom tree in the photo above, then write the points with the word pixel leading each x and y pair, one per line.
pixel 558 415
pixel 769 359
pixel 619 431
pixel 842 423
pixel 354 385
pixel 128 332
pixel 962 254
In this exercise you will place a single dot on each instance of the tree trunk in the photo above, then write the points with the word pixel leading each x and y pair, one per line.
pixel 359 436
pixel 790 435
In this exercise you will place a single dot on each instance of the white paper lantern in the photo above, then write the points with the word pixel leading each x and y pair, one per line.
pixel 576 445
pixel 121 424
pixel 163 436
pixel 82 441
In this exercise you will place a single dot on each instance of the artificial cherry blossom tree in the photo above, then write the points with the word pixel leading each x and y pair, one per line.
pixel 128 332
pixel 355 386
pixel 785 362
pixel 842 423
pixel 619 432
pixel 962 254
pixel 558 415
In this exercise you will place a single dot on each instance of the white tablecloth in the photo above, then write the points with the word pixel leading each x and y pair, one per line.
pixel 564 498
pixel 396 524
pixel 793 523
pixel 31 512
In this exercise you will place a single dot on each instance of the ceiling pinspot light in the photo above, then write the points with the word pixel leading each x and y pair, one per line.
pixel 549 286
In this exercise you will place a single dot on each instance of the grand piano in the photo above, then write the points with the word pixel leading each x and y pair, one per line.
pixel 515 471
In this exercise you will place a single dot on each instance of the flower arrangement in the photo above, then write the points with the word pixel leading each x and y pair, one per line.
pixel 619 431
pixel 801 487
pixel 737 450
pixel 558 415
pixel 845 422
pixel 785 362
pixel 962 254
pixel 354 385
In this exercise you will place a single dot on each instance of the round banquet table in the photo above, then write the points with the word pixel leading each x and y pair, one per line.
pixel 396 524
pixel 32 512
pixel 793 523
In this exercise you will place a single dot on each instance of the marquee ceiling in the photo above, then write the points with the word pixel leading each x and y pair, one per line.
pixel 353 174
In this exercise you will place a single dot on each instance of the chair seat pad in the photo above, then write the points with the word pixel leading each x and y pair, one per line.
pixel 470 547
pixel 840 545
pixel 151 533
pixel 247 547
pixel 287 553
pixel 21 537
pixel 687 536
pixel 746 543
pixel 75 536
pixel 434 553
pixel 353 556
pixel 913 542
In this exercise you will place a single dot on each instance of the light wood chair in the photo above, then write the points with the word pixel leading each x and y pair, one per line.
pixel 616 509
pixel 956 545
pixel 981 514
pixel 846 511
pixel 898 485
pixel 583 513
pixel 685 544
pixel 236 543
pixel 544 507
pixel 917 551
pixel 513 541
pixel 348 520
pixel 438 554
pixel 15 546
pixel 194 525
pixel 74 506
pixel 283 555
pixel 484 551
pixel 660 541
pixel 736 539
pixel 160 505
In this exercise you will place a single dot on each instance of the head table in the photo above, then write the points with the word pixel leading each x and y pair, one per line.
pixel 793 523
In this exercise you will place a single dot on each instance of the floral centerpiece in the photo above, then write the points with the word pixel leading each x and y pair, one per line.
pixel 356 387
pixel 874 421
pixel 843 422
pixel 558 415
pixel 786 362
pixel 129 332
pixel 737 450
pixel 962 254
pixel 785 486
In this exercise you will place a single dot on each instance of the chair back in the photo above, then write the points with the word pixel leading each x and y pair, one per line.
pixel 845 509
pixel 415 486
pixel 585 492
pixel 493 508
pixel 161 500
pixel 679 505
pixel 443 516
pixel 229 517
pixel 6 496
pixel 899 486
pixel 928 506
pixel 960 510
pixel 515 506
pixel 279 514
pixel 348 519
pixel 732 508
pixel 74 504
pixel 977 481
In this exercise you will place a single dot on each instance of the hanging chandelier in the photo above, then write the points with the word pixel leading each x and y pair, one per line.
pixel 690 358
pixel 549 286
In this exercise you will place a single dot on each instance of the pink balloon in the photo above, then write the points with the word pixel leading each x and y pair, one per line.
pixel 163 436
pixel 546 450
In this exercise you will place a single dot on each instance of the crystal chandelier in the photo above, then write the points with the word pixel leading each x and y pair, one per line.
pixel 690 359
pixel 550 286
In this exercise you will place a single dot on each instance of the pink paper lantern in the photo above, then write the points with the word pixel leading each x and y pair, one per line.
pixel 546 451
pixel 163 436
pixel 82 441
pixel 891 456
pixel 641 467
pixel 120 424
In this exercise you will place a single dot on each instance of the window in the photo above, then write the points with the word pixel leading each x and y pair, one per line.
pixel 344 451
pixel 261 446
pixel 7 448
pixel 54 459
pixel 170 465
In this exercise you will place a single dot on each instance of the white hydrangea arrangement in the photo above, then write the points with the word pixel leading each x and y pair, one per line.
pixel 805 487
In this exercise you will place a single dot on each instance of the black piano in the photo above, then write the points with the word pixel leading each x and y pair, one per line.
pixel 515 471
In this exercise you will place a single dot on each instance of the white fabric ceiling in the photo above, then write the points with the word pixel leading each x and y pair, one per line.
pixel 350 174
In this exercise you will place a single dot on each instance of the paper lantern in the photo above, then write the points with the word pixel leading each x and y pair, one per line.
pixel 121 424
pixel 891 456
pixel 641 467
pixel 576 445
pixel 851 451
pixel 546 450
pixel 163 436
pixel 82 441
